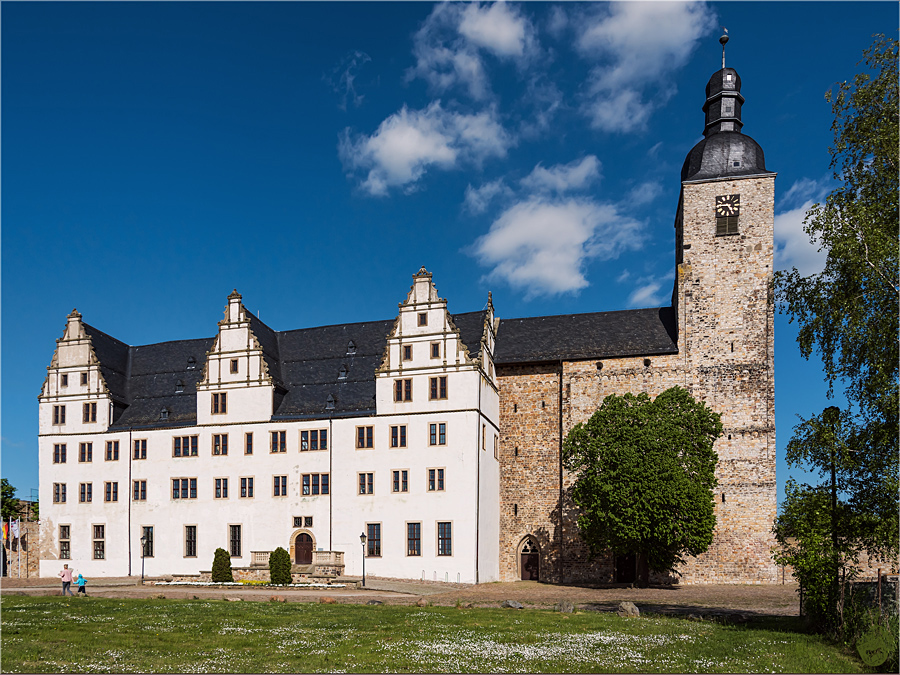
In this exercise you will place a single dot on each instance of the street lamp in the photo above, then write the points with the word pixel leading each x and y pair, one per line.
pixel 143 554
pixel 362 540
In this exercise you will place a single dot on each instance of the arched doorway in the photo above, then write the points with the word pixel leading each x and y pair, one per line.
pixel 530 560
pixel 302 549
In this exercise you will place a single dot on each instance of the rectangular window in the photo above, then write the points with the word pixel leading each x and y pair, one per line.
pixel 59 414
pixel 234 539
pixel 248 443
pixel 435 350
pixel 435 480
pixel 112 491
pixel 147 540
pixel 99 542
pixel 65 545
pixel 315 483
pixel 373 540
pixel 89 412
pixel 112 451
pixel 407 352
pixel 445 539
pixel 437 433
pixel 366 483
pixel 423 318
pixel 85 452
pixel 726 225
pixel 139 493
pixel 220 444
pixel 438 388
pixel 64 380
pixel 140 448
pixel 59 493
pixel 84 378
pixel 315 439
pixel 398 436
pixel 247 487
pixel 59 453
pixel 185 446
pixel 483 435
pixel 324 481
pixel 401 481
pixel 234 365
pixel 86 492
pixel 403 390
pixel 414 539
pixel 221 488
pixel 184 488
pixel 279 486
pixel 190 541
pixel 496 447
pixel 279 441
pixel 365 437
pixel 219 404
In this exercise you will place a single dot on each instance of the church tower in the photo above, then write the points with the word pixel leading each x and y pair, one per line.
pixel 724 308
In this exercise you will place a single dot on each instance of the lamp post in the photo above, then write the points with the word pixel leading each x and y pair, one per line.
pixel 362 540
pixel 143 554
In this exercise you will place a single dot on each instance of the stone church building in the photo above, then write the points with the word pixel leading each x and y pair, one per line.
pixel 437 436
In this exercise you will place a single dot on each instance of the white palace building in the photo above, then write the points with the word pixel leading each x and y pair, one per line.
pixel 256 439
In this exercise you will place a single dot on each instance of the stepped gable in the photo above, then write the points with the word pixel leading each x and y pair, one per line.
pixel 112 355
pixel 153 383
pixel 596 335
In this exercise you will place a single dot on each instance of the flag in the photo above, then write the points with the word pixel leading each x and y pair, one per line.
pixel 5 534
pixel 15 528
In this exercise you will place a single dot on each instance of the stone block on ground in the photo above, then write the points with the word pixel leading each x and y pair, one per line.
pixel 327 600
pixel 565 607
pixel 628 609
pixel 421 602
pixel 233 599
pixel 374 602
pixel 512 604
pixel 278 598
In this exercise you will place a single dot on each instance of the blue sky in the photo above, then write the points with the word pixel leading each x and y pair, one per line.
pixel 314 155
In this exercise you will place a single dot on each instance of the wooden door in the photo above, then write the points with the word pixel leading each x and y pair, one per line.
pixel 531 566
pixel 626 568
pixel 303 549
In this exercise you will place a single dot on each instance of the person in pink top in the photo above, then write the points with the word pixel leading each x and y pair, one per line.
pixel 66 576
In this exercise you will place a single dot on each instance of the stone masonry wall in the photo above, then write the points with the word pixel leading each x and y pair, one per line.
pixel 726 350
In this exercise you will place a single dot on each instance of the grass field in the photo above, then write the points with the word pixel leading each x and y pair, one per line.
pixel 56 634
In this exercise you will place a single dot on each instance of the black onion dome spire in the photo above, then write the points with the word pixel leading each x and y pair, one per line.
pixel 725 151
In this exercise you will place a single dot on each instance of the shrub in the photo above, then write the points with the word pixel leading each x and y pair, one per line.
pixel 221 568
pixel 280 566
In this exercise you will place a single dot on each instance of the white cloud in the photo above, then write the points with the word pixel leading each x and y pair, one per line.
pixel 792 245
pixel 545 99
pixel 803 190
pixel 644 193
pixel 563 177
pixel 637 46
pixel 410 142
pixel 543 245
pixel 343 78
pixel 648 294
pixel 450 44
pixel 478 199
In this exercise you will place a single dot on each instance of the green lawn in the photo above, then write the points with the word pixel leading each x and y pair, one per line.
pixel 55 634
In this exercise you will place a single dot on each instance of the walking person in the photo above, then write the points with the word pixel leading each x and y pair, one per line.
pixel 66 576
pixel 81 582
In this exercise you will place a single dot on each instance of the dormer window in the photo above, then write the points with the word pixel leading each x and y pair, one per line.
pixel 164 414
pixel 191 363
pixel 179 387
pixel 351 348
pixel 329 402
pixel 342 375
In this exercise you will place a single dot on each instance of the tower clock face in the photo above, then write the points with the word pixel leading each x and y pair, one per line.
pixel 728 205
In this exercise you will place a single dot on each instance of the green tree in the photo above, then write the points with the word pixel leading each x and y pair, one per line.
pixel 280 566
pixel 221 568
pixel 9 505
pixel 645 474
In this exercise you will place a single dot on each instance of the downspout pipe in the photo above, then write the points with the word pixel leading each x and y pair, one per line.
pixel 561 493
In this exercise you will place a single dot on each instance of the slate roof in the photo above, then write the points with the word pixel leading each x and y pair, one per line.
pixel 597 335
pixel 306 364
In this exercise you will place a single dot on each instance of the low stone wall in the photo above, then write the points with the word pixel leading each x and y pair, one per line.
pixel 23 557
pixel 259 574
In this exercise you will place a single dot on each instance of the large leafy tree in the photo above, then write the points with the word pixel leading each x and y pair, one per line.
pixel 645 474
pixel 848 313
pixel 9 505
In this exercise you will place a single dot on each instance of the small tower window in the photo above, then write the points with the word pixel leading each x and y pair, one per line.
pixel 726 225
pixel 234 365
pixel 423 318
